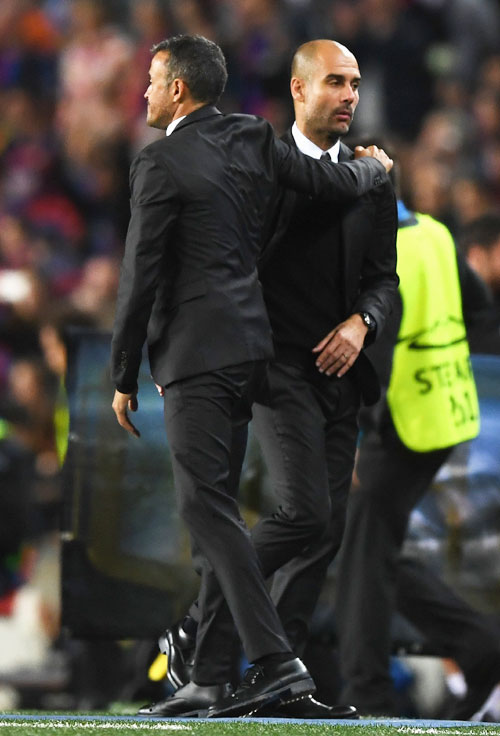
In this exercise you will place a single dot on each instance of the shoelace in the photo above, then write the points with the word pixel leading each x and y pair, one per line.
pixel 250 676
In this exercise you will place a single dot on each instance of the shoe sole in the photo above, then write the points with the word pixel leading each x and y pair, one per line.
pixel 189 714
pixel 166 647
pixel 286 694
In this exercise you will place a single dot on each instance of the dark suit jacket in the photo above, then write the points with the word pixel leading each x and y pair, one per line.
pixel 309 287
pixel 199 200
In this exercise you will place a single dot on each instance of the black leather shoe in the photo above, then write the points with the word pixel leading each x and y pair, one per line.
pixel 190 701
pixel 179 648
pixel 264 684
pixel 310 708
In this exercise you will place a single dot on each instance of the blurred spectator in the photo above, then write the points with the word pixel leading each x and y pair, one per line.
pixel 93 63
pixel 470 197
pixel 149 24
pixel 472 29
pixel 53 337
pixel 32 393
pixel 95 295
pixel 259 56
pixel 480 242
pixel 392 45
pixel 23 297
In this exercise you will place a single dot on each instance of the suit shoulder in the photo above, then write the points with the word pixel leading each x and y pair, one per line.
pixel 152 149
pixel 246 119
pixel 346 151
pixel 147 156
pixel 254 122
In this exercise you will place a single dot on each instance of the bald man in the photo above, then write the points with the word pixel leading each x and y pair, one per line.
pixel 329 280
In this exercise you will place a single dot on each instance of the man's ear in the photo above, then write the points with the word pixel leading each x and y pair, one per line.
pixel 180 90
pixel 297 89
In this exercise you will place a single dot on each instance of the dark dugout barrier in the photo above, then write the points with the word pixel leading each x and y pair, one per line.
pixel 126 570
pixel 126 566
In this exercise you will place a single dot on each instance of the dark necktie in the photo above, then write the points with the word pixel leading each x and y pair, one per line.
pixel 325 156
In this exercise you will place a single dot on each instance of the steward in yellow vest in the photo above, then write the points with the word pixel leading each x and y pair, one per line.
pixel 429 406
pixel 432 395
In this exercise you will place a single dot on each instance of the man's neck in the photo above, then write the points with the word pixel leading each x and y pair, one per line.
pixel 177 119
pixel 311 147
pixel 325 142
pixel 186 108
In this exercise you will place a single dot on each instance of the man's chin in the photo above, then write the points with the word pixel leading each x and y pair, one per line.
pixel 152 123
pixel 341 129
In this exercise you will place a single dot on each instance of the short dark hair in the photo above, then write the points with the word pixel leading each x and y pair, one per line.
pixel 483 231
pixel 199 62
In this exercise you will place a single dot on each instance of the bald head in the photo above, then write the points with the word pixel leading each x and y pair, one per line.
pixel 303 62
pixel 324 87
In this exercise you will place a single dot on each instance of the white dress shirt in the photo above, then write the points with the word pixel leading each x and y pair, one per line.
pixel 173 125
pixel 311 149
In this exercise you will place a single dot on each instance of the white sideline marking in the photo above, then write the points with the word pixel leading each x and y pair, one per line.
pixel 471 731
pixel 95 725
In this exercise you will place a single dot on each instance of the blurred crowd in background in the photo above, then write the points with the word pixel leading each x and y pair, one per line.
pixel 72 115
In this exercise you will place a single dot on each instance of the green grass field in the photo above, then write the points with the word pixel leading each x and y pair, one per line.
pixel 19 725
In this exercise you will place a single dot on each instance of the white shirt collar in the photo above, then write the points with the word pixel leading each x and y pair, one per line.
pixel 173 125
pixel 310 148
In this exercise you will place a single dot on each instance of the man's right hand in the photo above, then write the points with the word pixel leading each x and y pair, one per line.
pixel 122 402
pixel 374 152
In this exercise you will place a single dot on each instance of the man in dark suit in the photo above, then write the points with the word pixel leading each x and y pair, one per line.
pixel 189 285
pixel 329 278
pixel 325 305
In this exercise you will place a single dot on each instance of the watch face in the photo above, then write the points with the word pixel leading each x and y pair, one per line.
pixel 368 320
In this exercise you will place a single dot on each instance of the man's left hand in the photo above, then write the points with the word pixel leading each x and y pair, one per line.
pixel 338 351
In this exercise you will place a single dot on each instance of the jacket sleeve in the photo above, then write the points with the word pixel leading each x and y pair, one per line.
pixel 154 210
pixel 324 180
pixel 379 280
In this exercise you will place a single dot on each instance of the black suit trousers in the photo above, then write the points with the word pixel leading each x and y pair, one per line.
pixel 308 431
pixel 307 427
pixel 392 480
pixel 374 579
pixel 206 418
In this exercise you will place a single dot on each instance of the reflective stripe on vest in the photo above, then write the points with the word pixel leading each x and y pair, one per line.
pixel 432 395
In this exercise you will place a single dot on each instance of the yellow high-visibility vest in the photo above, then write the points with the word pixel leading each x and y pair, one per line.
pixel 432 395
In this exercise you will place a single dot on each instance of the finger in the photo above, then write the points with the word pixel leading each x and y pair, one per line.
pixel 347 365
pixel 324 342
pixel 333 347
pixel 329 361
pixel 332 367
pixel 133 404
pixel 125 422
pixel 160 389
pixel 338 363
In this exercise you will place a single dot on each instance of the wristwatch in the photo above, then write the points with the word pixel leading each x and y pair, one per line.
pixel 368 320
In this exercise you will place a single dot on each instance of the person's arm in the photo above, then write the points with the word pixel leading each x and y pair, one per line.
pixel 338 350
pixel 379 279
pixel 154 210
pixel 337 182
